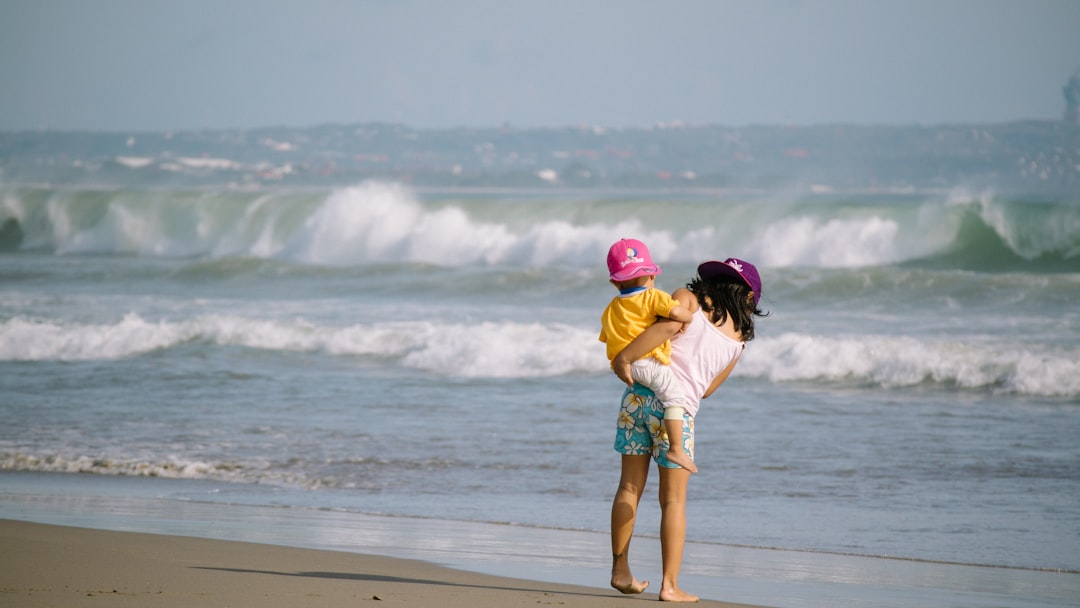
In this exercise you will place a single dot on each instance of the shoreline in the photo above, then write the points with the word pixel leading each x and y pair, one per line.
pixel 47 565
pixel 744 576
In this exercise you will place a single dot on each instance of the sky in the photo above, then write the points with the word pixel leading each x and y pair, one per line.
pixel 156 65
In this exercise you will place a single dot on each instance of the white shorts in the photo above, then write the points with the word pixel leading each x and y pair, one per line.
pixel 662 382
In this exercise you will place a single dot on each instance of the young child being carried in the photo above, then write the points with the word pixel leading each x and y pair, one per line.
pixel 637 306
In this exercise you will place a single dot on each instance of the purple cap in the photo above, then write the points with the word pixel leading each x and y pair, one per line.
pixel 733 267
pixel 629 258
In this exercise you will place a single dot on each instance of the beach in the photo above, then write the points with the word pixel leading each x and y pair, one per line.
pixel 381 371
pixel 53 566
pixel 108 511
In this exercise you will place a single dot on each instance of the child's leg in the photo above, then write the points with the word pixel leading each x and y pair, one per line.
pixel 673 426
pixel 658 377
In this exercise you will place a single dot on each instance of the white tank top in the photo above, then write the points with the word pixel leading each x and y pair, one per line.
pixel 699 354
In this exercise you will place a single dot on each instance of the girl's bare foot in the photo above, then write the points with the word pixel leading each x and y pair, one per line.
pixel 634 586
pixel 677 595
pixel 683 460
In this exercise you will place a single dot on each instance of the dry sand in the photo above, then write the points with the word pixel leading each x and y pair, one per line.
pixel 63 567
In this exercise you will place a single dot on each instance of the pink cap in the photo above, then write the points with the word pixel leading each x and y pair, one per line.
pixel 629 258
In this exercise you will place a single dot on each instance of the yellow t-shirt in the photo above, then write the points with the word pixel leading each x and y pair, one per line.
pixel 626 316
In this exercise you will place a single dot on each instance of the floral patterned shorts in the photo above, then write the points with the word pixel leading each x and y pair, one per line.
pixel 641 427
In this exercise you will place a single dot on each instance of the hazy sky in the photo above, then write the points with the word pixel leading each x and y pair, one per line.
pixel 137 65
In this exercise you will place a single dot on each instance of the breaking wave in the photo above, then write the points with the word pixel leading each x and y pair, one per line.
pixel 376 223
pixel 898 362
pixel 525 350
pixel 488 349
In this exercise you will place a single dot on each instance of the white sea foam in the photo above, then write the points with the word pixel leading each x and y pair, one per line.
pixel 488 349
pixel 384 223
pixel 893 361
pixel 379 223
pixel 25 339
pixel 835 243
pixel 135 162
pixel 176 468
pixel 172 467
pixel 508 350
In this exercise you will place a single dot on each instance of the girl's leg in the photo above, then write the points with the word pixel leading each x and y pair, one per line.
pixel 673 532
pixel 635 472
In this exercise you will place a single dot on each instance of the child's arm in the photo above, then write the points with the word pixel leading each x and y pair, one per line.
pixel 681 314
pixel 687 304
pixel 653 336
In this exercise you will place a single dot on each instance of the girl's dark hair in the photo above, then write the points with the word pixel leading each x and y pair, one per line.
pixel 721 297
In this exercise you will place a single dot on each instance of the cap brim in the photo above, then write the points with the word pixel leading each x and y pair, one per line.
pixel 716 268
pixel 636 272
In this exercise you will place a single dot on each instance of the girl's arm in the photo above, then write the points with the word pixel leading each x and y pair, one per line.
pixel 655 335
pixel 686 305
pixel 719 379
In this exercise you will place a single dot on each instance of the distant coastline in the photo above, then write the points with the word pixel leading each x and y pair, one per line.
pixel 1016 157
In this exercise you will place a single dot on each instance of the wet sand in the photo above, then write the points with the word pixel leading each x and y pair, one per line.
pixel 58 566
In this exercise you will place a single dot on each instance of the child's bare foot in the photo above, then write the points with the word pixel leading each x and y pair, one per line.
pixel 683 460
pixel 634 586
pixel 677 595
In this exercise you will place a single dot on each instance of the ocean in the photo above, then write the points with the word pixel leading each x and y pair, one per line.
pixel 379 356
